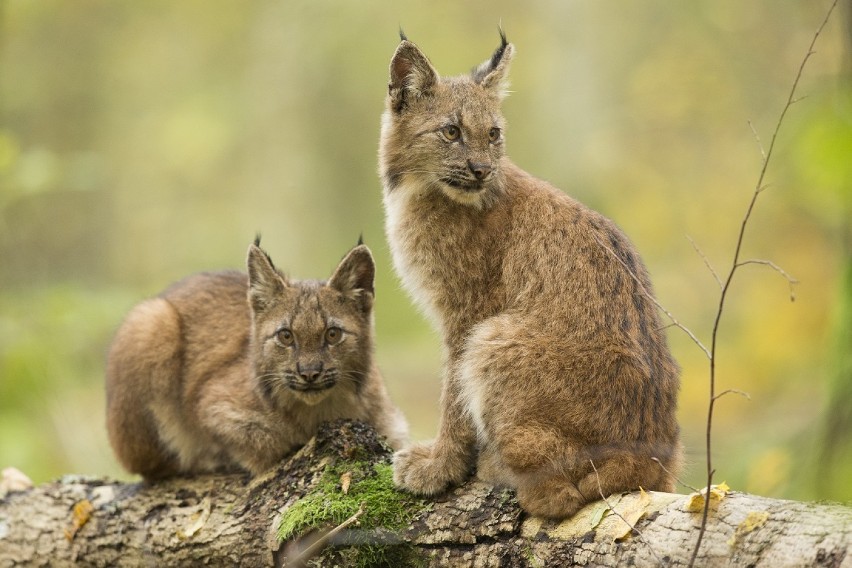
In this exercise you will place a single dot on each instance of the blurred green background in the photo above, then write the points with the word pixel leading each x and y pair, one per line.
pixel 143 141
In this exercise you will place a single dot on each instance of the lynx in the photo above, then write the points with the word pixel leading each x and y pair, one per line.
pixel 558 379
pixel 226 371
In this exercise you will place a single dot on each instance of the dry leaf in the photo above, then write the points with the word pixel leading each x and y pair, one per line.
pixel 695 504
pixel 80 515
pixel 631 510
pixel 754 520
pixel 197 521
pixel 345 482
pixel 620 515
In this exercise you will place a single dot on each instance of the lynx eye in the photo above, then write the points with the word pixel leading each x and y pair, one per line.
pixel 285 337
pixel 451 132
pixel 494 135
pixel 333 335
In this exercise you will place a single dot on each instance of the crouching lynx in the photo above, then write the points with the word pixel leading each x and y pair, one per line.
pixel 556 363
pixel 225 371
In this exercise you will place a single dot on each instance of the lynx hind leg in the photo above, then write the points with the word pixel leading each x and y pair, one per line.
pixel 625 471
pixel 520 446
pixel 539 465
pixel 544 467
pixel 142 364
pixel 543 489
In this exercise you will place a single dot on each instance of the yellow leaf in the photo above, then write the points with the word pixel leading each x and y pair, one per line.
pixel 631 510
pixel 617 516
pixel 754 520
pixel 80 515
pixel 695 503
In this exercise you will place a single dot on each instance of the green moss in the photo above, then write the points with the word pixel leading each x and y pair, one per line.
pixel 384 507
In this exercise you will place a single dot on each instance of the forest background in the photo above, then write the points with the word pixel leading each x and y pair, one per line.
pixel 144 141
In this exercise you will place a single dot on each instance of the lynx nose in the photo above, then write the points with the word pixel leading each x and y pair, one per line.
pixel 309 372
pixel 479 170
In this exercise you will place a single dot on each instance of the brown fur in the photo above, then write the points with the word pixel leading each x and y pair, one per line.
pixel 198 379
pixel 555 355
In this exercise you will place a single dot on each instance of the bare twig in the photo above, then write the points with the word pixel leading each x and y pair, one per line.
pixel 733 391
pixel 676 478
pixel 633 528
pixel 321 542
pixel 735 264
pixel 706 260
pixel 790 280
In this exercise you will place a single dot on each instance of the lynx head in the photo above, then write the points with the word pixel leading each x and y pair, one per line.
pixel 311 339
pixel 445 134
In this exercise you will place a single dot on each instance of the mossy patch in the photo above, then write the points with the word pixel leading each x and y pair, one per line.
pixel 338 495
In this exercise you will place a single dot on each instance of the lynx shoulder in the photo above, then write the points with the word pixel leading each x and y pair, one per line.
pixel 556 362
pixel 227 371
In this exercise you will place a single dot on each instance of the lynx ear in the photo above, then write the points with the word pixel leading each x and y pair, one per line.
pixel 354 276
pixel 493 74
pixel 411 74
pixel 265 282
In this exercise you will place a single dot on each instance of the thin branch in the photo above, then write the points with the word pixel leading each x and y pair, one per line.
pixel 735 264
pixel 791 282
pixel 651 297
pixel 676 478
pixel 733 391
pixel 633 528
pixel 321 542
pixel 706 260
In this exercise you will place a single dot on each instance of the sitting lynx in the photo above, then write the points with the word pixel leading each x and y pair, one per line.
pixel 225 371
pixel 557 364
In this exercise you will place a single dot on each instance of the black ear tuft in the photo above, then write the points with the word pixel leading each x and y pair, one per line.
pixel 498 53
pixel 360 239
pixel 493 73
pixel 402 36
pixel 257 239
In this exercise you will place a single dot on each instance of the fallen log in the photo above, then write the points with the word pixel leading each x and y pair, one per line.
pixel 332 503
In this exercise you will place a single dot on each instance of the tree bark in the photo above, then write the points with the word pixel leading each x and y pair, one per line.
pixel 232 520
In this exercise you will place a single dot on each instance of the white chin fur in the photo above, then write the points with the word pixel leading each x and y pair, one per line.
pixel 471 198
pixel 311 398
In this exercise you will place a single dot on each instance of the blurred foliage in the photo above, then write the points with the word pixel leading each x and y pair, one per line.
pixel 140 142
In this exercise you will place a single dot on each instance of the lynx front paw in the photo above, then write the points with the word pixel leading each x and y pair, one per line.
pixel 417 469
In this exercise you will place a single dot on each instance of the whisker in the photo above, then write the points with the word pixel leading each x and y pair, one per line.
pixel 266 378
pixel 355 376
